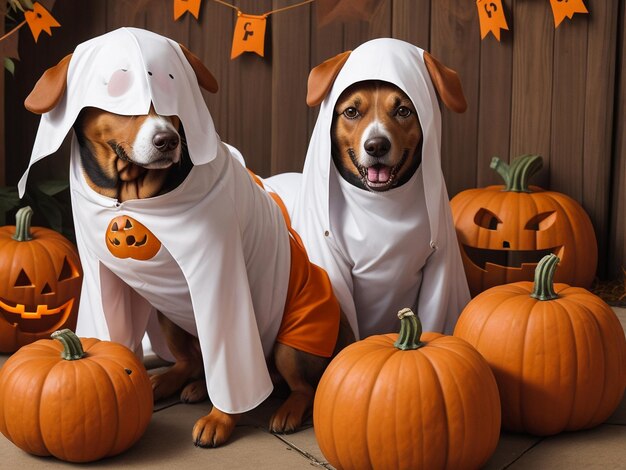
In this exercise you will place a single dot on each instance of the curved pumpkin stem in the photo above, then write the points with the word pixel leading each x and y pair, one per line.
pixel 72 347
pixel 517 174
pixel 544 278
pixel 23 219
pixel 410 331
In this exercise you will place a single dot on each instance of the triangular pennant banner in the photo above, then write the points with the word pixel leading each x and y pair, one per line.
pixel 566 8
pixel 183 6
pixel 249 35
pixel 491 17
pixel 39 19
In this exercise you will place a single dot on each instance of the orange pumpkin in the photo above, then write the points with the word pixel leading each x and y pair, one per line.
pixel 558 352
pixel 76 401
pixel 407 401
pixel 127 238
pixel 504 231
pixel 41 282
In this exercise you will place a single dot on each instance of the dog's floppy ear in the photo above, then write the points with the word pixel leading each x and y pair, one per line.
pixel 49 88
pixel 205 78
pixel 322 77
pixel 447 83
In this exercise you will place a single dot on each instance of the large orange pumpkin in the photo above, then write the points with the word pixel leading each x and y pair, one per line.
pixel 558 352
pixel 407 401
pixel 41 283
pixel 504 231
pixel 76 401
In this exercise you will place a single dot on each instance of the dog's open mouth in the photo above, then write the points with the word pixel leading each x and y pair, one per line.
pixel 46 318
pixel 378 177
pixel 515 259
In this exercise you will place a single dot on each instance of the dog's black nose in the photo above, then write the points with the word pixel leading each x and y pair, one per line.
pixel 165 141
pixel 377 146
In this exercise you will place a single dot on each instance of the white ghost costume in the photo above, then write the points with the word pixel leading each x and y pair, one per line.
pixel 229 241
pixel 386 250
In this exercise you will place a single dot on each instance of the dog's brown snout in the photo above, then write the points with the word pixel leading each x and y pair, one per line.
pixel 377 146
pixel 164 141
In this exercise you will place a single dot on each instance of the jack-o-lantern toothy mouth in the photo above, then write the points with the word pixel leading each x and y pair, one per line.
pixel 35 319
pixel 511 259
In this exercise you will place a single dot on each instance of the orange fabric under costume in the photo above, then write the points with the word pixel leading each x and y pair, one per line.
pixel 311 319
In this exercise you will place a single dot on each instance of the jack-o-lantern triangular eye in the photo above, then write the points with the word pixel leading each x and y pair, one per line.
pixel 67 270
pixel 114 227
pixel 23 280
pixel 128 224
pixel 487 219
pixel 541 221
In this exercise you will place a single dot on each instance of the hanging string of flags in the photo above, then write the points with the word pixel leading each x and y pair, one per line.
pixel 492 19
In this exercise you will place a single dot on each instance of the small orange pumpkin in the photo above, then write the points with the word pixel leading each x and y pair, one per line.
pixel 78 401
pixel 41 285
pixel 558 352
pixel 504 231
pixel 128 238
pixel 407 401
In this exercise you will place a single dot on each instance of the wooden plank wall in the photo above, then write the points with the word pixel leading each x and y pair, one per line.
pixel 539 90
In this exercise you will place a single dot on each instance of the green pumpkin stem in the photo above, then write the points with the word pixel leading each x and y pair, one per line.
pixel 410 331
pixel 544 278
pixel 22 224
pixel 72 347
pixel 517 174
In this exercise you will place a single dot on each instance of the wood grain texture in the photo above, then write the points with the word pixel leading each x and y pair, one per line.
pixel 531 110
pixel 494 106
pixel 290 69
pixel 616 258
pixel 411 21
pixel 455 41
pixel 599 102
pixel 2 143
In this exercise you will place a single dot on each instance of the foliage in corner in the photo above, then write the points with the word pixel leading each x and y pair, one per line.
pixel 49 199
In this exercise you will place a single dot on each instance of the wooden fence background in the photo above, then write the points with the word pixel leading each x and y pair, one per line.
pixel 560 93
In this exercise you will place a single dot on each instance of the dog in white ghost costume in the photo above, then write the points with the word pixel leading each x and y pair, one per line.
pixel 224 264
pixel 382 250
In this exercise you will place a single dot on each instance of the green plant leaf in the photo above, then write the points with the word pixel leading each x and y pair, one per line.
pixel 9 65
pixel 53 187
pixel 50 209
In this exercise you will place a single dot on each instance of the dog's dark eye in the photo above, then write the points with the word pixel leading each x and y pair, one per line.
pixel 403 111
pixel 351 113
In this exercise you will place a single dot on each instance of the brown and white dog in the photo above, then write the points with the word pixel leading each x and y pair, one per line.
pixel 376 136
pixel 139 157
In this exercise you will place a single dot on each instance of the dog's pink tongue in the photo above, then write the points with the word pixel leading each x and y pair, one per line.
pixel 378 174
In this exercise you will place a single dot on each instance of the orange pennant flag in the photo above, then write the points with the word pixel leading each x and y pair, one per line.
pixel 491 17
pixel 183 6
pixel 39 19
pixel 563 8
pixel 249 35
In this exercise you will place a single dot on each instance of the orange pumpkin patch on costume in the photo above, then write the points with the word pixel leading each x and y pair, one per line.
pixel 41 285
pixel 127 238
pixel 504 231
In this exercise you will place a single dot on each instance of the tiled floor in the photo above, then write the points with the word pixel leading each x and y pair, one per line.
pixel 167 444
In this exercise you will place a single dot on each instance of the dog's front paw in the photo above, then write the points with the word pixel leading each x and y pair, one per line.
pixel 214 429
pixel 288 418
pixel 194 392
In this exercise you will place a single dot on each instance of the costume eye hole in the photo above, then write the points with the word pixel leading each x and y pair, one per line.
pixel 351 113
pixel 541 221
pixel 171 76
pixel 403 112
pixel 23 280
pixel 487 219
pixel 67 271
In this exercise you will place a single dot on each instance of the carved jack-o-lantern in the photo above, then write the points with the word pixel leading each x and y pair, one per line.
pixel 127 238
pixel 40 283
pixel 504 231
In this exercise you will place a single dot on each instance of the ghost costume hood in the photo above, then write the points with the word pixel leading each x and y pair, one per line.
pixel 187 256
pixel 382 250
